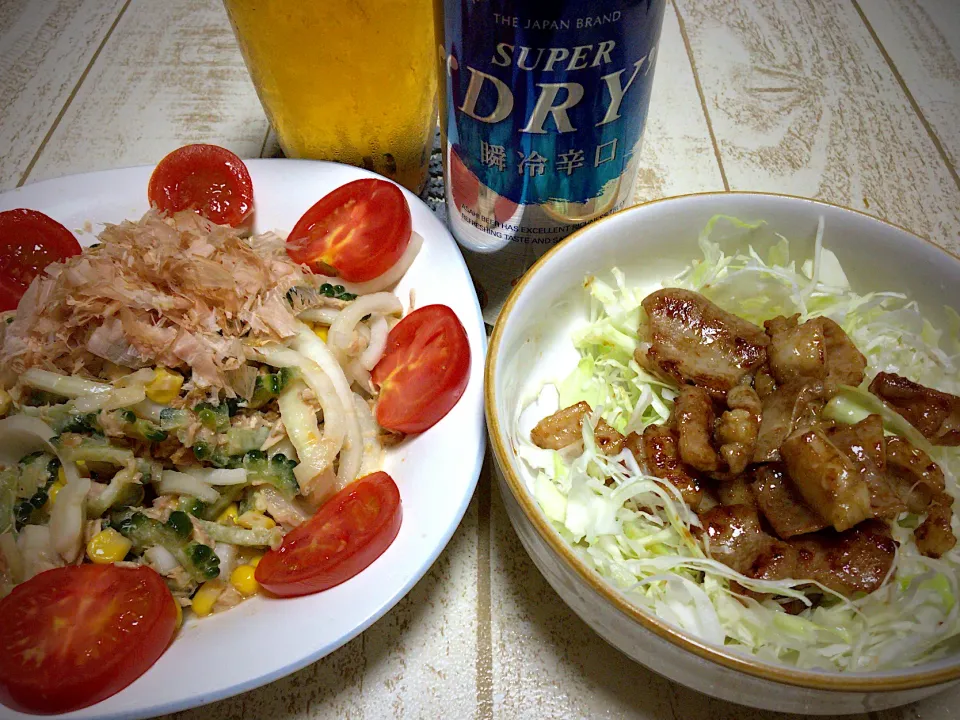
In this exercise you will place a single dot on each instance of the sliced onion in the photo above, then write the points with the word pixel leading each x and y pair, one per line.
pixel 117 398
pixel 36 550
pixel 149 410
pixel 372 450
pixel 66 385
pixel 228 557
pixel 12 557
pixel 219 476
pixel 325 315
pixel 378 342
pixel 360 375
pixel 314 348
pixel 315 451
pixel 341 332
pixel 282 510
pixel 160 559
pixel 67 519
pixel 388 279
pixel 178 483
pixel 21 435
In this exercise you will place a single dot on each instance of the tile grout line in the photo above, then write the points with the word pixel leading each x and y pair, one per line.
pixel 484 667
pixel 70 98
pixel 703 99
pixel 906 91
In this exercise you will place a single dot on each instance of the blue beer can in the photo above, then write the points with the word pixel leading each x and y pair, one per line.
pixel 543 105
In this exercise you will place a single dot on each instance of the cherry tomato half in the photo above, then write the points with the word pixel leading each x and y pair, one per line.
pixel 206 178
pixel 346 535
pixel 423 371
pixel 358 231
pixel 29 241
pixel 73 636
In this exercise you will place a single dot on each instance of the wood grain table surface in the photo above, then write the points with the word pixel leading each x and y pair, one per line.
pixel 852 101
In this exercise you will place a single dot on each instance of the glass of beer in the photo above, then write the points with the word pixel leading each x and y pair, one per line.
pixel 354 82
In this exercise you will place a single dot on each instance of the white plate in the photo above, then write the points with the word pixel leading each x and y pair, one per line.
pixel 264 639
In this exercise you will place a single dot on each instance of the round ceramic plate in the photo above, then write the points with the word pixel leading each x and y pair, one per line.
pixel 264 638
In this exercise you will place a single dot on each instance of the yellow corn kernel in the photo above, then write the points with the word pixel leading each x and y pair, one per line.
pixel 254 561
pixel 321 331
pixel 243 580
pixel 205 598
pixel 229 515
pixel 176 604
pixel 108 546
pixel 165 386
pixel 253 520
pixel 6 402
pixel 55 489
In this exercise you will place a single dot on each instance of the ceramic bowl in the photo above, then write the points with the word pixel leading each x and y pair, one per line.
pixel 531 345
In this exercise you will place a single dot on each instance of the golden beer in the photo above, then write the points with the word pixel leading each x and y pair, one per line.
pixel 351 81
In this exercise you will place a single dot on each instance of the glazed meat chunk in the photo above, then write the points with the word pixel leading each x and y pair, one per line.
pixel 915 477
pixel 734 535
pixel 695 418
pixel 657 450
pixel 935 414
pixel 790 407
pixel 692 340
pixel 935 535
pixel 826 479
pixel 736 492
pixel 866 446
pixel 851 562
pixel 845 364
pixel 737 429
pixel 796 351
pixel 564 428
pixel 782 505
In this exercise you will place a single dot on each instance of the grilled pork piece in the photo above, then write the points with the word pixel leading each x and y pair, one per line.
pixel 796 351
pixel 737 492
pixel 782 505
pixel 914 476
pixel 935 536
pixel 934 413
pixel 735 536
pixel 657 450
pixel 736 432
pixel 790 407
pixel 564 428
pixel 694 341
pixel 845 364
pixel 866 447
pixel 826 478
pixel 854 561
pixel 693 410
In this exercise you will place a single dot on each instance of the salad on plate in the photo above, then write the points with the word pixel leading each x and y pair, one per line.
pixel 762 457
pixel 191 414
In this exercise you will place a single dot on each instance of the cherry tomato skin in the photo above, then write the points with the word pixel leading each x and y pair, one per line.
pixel 206 178
pixel 347 533
pixel 73 636
pixel 29 241
pixel 358 231
pixel 424 370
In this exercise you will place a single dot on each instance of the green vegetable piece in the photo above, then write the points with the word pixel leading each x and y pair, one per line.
pixel 191 506
pixel 180 523
pixel 206 564
pixel 174 419
pixel 213 417
pixel 145 532
pixel 277 471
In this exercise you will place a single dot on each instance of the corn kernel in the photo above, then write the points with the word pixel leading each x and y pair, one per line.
pixel 6 402
pixel 206 597
pixel 164 387
pixel 55 489
pixel 176 604
pixel 229 515
pixel 254 561
pixel 253 520
pixel 321 331
pixel 243 580
pixel 108 546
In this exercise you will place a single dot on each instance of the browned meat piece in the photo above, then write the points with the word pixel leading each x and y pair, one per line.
pixel 735 536
pixel 736 433
pixel 763 382
pixel 866 447
pixel 935 414
pixel 657 450
pixel 796 351
pixel 854 561
pixel 777 561
pixel 826 478
pixel 736 492
pixel 782 505
pixel 935 536
pixel 788 408
pixel 693 410
pixel 845 364
pixel 694 341
pixel 564 428
pixel 914 476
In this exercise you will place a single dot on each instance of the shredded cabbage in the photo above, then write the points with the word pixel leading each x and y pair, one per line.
pixel 636 531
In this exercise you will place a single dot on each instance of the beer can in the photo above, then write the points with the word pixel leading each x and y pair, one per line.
pixel 543 104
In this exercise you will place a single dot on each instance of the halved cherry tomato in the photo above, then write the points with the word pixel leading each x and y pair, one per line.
pixel 206 178
pixel 29 241
pixel 423 371
pixel 346 535
pixel 358 231
pixel 73 636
